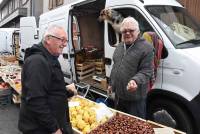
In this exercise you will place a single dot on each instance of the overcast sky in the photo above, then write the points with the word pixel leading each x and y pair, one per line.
pixel 1 1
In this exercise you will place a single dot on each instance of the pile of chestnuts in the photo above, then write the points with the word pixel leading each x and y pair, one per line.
pixel 123 124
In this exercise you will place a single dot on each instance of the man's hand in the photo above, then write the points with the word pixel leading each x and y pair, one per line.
pixel 132 86
pixel 57 132
pixel 72 88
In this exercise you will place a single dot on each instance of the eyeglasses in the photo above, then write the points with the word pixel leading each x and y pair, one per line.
pixel 128 31
pixel 61 39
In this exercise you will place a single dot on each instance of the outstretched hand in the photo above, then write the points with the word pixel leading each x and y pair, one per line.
pixel 132 86
pixel 72 88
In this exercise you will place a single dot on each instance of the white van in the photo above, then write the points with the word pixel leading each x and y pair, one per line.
pixel 9 41
pixel 28 34
pixel 174 99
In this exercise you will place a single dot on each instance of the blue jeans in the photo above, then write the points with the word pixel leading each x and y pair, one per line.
pixel 136 108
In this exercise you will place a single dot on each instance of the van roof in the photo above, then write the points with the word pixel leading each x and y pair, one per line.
pixel 112 3
pixel 9 30
pixel 109 3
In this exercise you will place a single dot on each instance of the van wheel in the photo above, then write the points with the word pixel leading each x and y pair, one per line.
pixel 170 114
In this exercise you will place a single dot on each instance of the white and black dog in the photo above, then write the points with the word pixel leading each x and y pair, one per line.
pixel 114 18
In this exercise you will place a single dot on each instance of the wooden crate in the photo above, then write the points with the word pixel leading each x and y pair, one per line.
pixel 84 66
pixel 157 125
pixel 85 70
pixel 9 58
pixel 102 82
pixel 99 67
pixel 99 64
pixel 90 60
pixel 99 70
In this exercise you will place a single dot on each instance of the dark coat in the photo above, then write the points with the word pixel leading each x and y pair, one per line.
pixel 135 63
pixel 44 103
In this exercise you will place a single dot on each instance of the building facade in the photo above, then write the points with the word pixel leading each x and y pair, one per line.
pixel 192 6
pixel 52 4
pixel 12 10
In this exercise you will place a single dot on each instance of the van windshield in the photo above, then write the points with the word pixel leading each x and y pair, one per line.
pixel 179 26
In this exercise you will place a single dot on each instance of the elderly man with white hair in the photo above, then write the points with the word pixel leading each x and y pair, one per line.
pixel 44 107
pixel 131 70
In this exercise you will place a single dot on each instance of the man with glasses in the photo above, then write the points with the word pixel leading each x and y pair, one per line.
pixel 44 108
pixel 131 70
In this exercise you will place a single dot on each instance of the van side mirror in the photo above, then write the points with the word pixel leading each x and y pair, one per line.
pixel 65 56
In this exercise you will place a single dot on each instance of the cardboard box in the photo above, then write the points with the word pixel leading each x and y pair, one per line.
pixel 104 84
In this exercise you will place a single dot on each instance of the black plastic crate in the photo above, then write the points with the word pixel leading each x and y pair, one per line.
pixel 4 92
pixel 5 96
pixel 5 100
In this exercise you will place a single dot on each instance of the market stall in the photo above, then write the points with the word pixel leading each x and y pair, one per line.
pixel 86 116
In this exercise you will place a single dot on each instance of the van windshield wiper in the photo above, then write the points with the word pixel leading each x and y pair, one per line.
pixel 195 41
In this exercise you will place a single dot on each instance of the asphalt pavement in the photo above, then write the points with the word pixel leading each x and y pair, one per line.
pixel 8 119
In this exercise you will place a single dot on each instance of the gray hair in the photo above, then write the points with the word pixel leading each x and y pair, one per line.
pixel 51 30
pixel 131 20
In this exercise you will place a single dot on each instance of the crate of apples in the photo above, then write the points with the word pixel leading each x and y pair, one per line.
pixel 4 85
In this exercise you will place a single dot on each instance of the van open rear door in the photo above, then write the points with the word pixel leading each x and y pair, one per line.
pixel 28 33
pixel 108 50
pixel 3 41
pixel 60 16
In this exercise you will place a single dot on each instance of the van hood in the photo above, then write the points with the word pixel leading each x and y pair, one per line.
pixel 192 53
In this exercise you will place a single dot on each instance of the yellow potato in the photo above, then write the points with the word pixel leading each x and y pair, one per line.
pixel 86 129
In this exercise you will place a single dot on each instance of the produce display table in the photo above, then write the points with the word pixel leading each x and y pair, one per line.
pixel 11 74
pixel 88 117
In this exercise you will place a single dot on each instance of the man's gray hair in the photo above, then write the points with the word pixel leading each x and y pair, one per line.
pixel 51 30
pixel 130 20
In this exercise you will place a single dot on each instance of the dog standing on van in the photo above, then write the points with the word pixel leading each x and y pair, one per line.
pixel 114 18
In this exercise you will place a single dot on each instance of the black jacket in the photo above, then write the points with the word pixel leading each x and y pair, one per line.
pixel 44 103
